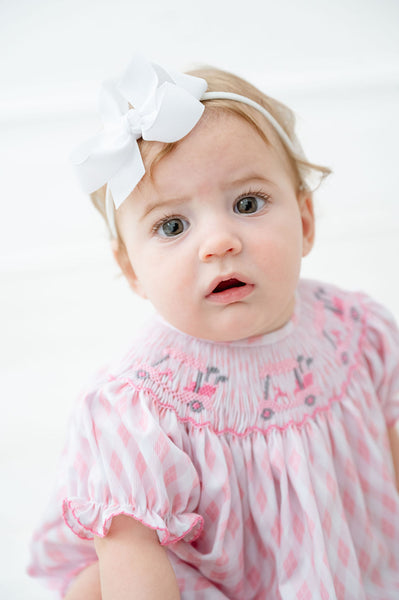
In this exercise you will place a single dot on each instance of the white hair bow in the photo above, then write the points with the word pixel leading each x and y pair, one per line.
pixel 166 107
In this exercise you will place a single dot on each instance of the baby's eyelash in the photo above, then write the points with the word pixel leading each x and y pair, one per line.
pixel 259 193
pixel 155 227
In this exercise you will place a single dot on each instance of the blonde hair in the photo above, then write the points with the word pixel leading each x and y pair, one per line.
pixel 222 81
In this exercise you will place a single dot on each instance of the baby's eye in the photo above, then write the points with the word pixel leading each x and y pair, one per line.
pixel 171 227
pixel 249 205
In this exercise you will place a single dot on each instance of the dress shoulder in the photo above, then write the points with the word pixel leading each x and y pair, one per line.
pixel 122 461
pixel 381 351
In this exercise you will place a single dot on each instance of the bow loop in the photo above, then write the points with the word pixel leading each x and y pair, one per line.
pixel 174 105
pixel 148 102
pixel 139 83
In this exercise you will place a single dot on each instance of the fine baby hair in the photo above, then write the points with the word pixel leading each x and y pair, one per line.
pixel 246 445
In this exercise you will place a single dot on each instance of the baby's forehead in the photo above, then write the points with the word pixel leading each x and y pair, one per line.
pixel 212 122
pixel 214 125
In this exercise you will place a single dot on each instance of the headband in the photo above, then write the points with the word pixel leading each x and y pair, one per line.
pixel 167 106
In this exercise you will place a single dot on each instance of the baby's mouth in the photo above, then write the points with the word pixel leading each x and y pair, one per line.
pixel 229 290
pixel 227 285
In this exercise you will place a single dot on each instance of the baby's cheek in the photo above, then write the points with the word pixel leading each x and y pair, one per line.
pixel 281 263
pixel 276 251
pixel 165 290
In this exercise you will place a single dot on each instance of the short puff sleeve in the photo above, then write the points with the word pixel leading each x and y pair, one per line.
pixel 381 350
pixel 123 458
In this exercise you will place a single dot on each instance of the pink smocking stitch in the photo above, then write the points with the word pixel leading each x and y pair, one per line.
pixel 320 316
pixel 284 366
pixel 186 358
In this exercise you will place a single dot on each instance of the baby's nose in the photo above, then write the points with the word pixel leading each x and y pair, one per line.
pixel 219 243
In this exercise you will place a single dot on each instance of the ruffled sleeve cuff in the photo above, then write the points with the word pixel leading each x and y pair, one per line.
pixel 89 519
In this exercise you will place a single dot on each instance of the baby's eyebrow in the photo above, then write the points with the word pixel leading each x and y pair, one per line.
pixel 248 178
pixel 163 204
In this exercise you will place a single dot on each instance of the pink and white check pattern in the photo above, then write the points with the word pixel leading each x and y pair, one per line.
pixel 263 464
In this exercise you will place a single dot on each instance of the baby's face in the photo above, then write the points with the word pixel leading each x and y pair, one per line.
pixel 215 239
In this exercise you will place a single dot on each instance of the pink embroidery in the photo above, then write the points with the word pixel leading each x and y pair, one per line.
pixel 251 429
pixel 186 359
pixel 306 392
pixel 203 398
pixel 201 394
pixel 198 394
pixel 145 371
pixel 346 313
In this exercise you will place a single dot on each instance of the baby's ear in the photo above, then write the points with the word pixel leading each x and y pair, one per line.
pixel 123 260
pixel 305 203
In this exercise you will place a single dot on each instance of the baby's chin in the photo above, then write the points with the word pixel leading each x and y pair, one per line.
pixel 224 334
pixel 232 323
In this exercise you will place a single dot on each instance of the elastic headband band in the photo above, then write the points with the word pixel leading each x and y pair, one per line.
pixel 167 106
pixel 244 100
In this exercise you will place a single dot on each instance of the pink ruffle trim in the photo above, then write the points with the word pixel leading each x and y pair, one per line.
pixel 89 519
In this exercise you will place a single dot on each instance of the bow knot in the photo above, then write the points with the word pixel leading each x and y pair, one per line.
pixel 166 108
pixel 133 121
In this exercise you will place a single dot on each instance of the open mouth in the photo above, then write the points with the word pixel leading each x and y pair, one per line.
pixel 228 284
pixel 229 290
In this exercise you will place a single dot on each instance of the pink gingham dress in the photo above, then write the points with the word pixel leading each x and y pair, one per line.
pixel 263 464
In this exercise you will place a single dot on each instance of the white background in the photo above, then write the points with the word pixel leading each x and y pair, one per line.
pixel 63 308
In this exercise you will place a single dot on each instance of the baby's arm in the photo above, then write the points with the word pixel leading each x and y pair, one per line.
pixel 133 564
pixel 86 586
